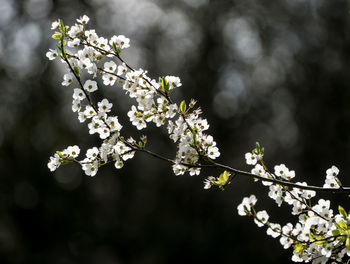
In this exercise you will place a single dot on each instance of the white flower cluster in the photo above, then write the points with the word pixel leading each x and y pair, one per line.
pixel 60 156
pixel 332 180
pixel 320 236
pixel 87 52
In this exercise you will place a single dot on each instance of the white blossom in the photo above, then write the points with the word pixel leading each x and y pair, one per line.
pixel 83 19
pixel 90 86
pixel 246 205
pixel 120 41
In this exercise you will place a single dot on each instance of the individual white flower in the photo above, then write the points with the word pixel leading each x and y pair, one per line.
pixel 285 239
pixel 108 79
pixel 110 66
pixel 83 19
pixel 283 172
pixel 90 86
pixel 274 230
pixel 105 150
pixel 118 164
pixel 136 118
pixel 95 125
pixel 247 204
pixel 54 162
pixel 104 132
pixel 51 54
pixel 261 218
pixel 76 105
pixel 120 148
pixel 259 170
pixel 91 36
pixel 86 53
pixel 201 124
pixel 171 111
pixel 120 41
pixel 213 152
pixel 85 63
pixel 122 69
pixel 73 43
pixel 159 119
pixel 89 111
pixel 81 116
pixel 73 151
pixel 331 183
pixel 90 168
pixel 113 123
pixel 145 100
pixel 92 153
pixel 104 106
pixel 64 154
pixel 276 194
pixel 331 178
pixel 322 208
pixel 179 169
pixel 103 43
pixel 173 82
pixel 332 172
pixel 75 30
pixel 67 79
pixel 251 159
pixel 194 171
pixel 209 182
pixel 298 207
pixel 55 24
pixel 78 94
pixel 128 155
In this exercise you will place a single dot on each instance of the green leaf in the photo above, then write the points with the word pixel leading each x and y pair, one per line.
pixel 257 146
pixel 322 242
pixel 61 24
pixel 222 180
pixel 338 181
pixel 342 212
pixel 299 248
pixel 76 71
pixel 342 225
pixel 347 243
pixel 116 49
pixel 165 85
pixel 336 232
pixel 183 107
pixel 56 35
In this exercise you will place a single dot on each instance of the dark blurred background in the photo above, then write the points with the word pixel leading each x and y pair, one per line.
pixel 270 71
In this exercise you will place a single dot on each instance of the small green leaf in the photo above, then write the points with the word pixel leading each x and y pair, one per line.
pixel 56 35
pixel 257 146
pixel 347 243
pixel 61 24
pixel 165 85
pixel 336 232
pixel 322 242
pixel 222 180
pixel 338 181
pixel 76 71
pixel 116 49
pixel 342 225
pixel 183 107
pixel 342 212
pixel 299 248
